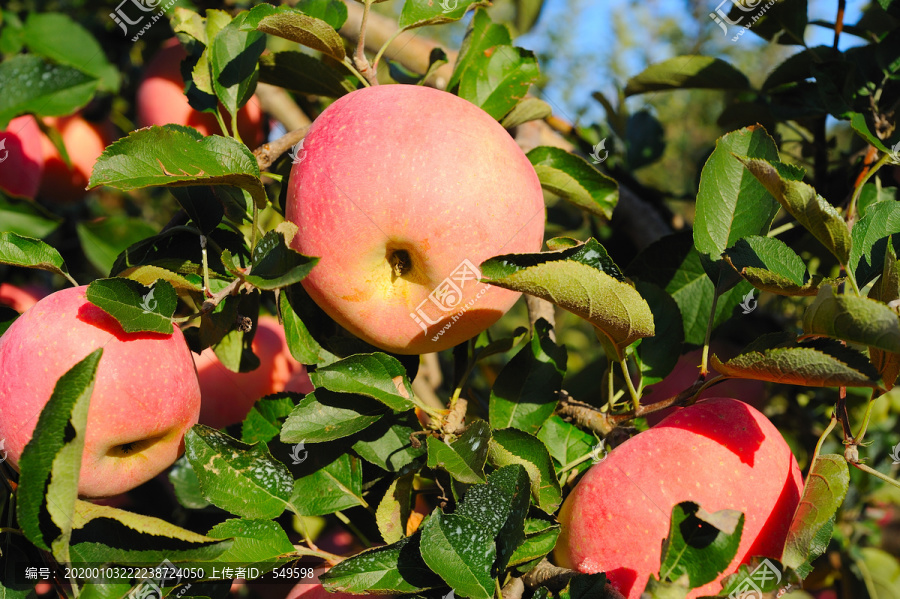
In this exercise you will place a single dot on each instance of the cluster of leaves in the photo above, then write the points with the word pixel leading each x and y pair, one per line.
pixel 493 486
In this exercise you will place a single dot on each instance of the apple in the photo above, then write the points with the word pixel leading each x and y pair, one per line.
pixel 22 157
pixel 720 453
pixel 227 396
pixel 160 100
pixel 20 299
pixel 402 191
pixel 84 142
pixel 145 397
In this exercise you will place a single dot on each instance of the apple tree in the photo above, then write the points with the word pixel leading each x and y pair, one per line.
pixel 515 461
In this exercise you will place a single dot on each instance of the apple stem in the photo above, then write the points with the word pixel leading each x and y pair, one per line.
pixel 865 425
pixel 203 254
pixel 354 529
pixel 369 72
pixel 635 397
pixel 704 364
pixel 822 438
pixel 876 474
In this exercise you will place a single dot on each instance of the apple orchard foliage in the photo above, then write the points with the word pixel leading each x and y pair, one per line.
pixel 469 501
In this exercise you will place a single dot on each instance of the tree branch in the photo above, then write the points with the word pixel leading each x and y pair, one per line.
pixel 268 153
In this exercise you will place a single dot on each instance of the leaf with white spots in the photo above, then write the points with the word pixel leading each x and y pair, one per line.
pixel 396 568
pixel 239 478
pixel 464 458
pixel 461 551
pixel 375 375
pixel 511 446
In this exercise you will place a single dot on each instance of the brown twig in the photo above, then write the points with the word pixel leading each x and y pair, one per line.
pixel 540 308
pixel 268 153
pixel 454 423
pixel 276 101
pixel 514 589
pixel 365 69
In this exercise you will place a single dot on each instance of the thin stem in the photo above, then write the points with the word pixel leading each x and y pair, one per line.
pixel 782 229
pixel 384 47
pixel 576 462
pixel 497 590
pixel 704 364
pixel 254 231
pixel 610 398
pixel 71 280
pixel 353 528
pixel 347 63
pixel 634 394
pixel 274 176
pixel 827 432
pixel 329 557
pixel 865 425
pixel 432 412
pixel 877 474
pixel 362 63
pixel 221 121
pixel 206 291
pixel 851 209
pixel 12 531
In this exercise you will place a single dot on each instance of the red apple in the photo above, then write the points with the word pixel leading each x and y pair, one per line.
pixel 719 453
pixel 161 100
pixel 20 299
pixel 228 396
pixel 84 142
pixel 22 157
pixel 145 394
pixel 402 191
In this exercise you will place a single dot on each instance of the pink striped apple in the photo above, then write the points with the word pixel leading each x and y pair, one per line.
pixel 402 191
pixel 145 393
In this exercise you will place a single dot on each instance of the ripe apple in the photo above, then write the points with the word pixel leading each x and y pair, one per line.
pixel 20 298
pixel 22 157
pixel 402 191
pixel 720 453
pixel 161 100
pixel 228 396
pixel 145 394
pixel 84 142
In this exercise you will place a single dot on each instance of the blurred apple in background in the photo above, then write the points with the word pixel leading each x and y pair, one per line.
pixel 228 396
pixel 84 141
pixel 22 157
pixel 161 100
pixel 21 298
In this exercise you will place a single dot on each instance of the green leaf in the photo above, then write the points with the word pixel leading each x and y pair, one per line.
pixel 305 30
pixel 511 446
pixel 644 139
pixel 276 265
pixel 499 508
pixel 529 109
pixel 870 239
pixel 583 280
pixel 239 478
pixel 540 539
pixel 27 252
pixel 803 203
pixel 325 416
pixel 815 363
pixel 174 156
pixel 686 72
pixel 264 421
pixel 396 568
pixel 566 442
pixel 572 178
pixel 375 375
pixel 129 538
pixel 335 487
pixel 254 541
pixel 104 239
pixel 232 58
pixel 461 551
pixel 587 586
pixel 674 264
pixel 50 463
pixel 333 12
pixel 394 509
pixel 764 574
pixel 655 356
pixel 526 391
pixel 26 218
pixel 417 13
pixel 481 35
pixel 186 485
pixel 387 442
pixel 870 195
pixel 851 318
pixel 731 203
pixel 700 545
pixel 858 124
pixel 148 275
pixel 883 570
pixel 464 458
pixel 769 264
pixel 303 347
pixel 64 41
pixel 824 492
pixel 887 289
pixel 135 308
pixel 33 85
pixel 301 73
pixel 499 79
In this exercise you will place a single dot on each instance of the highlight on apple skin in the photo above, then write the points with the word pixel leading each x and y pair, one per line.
pixel 22 157
pixel 719 453
pixel 228 396
pixel 160 100
pixel 145 397
pixel 437 187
